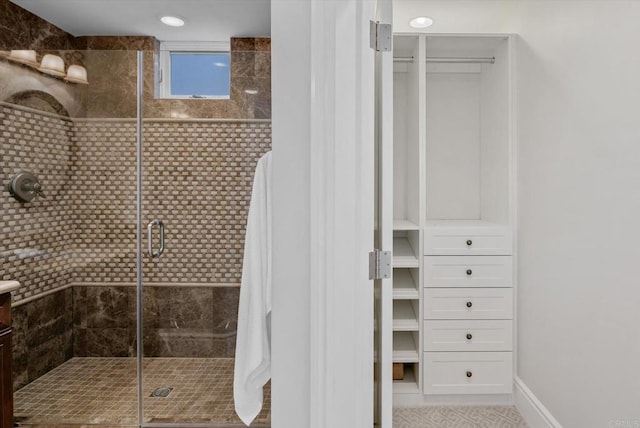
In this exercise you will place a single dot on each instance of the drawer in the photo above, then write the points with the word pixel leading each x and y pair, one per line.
pixel 460 241
pixel 468 372
pixel 468 271
pixel 468 335
pixel 468 303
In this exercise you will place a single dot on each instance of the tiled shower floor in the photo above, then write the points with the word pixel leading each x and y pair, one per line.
pixel 104 390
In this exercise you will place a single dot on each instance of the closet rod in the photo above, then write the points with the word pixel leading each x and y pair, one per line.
pixel 451 60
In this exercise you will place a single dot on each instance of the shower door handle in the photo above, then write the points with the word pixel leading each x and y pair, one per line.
pixel 152 253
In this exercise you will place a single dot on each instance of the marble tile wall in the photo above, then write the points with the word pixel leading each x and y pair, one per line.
pixel 117 43
pixel 177 321
pixel 113 94
pixel 198 179
pixel 100 321
pixel 20 29
pixel 42 336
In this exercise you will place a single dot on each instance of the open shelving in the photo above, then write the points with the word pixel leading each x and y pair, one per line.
pixel 408 208
pixel 405 283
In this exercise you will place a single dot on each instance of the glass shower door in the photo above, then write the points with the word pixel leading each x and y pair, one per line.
pixel 197 173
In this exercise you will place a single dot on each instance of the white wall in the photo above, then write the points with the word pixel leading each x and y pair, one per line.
pixel 291 103
pixel 578 88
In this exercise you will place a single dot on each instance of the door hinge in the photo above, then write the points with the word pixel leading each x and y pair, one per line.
pixel 380 37
pixel 379 264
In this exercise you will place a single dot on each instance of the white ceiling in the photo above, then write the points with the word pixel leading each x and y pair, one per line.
pixel 206 20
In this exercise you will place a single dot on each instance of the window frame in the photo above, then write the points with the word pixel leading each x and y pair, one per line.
pixel 164 63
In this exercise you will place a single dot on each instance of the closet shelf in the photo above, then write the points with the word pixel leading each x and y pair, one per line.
pixel 408 385
pixel 464 223
pixel 404 224
pixel 405 349
pixel 403 254
pixel 404 316
pixel 404 286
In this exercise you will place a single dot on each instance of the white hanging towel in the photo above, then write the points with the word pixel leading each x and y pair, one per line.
pixel 253 344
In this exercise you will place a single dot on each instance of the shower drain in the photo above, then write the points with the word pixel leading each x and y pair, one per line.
pixel 161 392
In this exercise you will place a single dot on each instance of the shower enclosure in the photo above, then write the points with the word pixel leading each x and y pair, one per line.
pixel 130 260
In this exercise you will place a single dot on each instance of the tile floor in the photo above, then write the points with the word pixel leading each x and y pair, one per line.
pixel 103 391
pixel 458 417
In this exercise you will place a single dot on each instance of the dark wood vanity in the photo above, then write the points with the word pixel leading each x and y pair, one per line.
pixel 6 382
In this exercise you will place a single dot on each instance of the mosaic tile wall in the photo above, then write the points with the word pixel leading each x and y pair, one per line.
pixel 36 237
pixel 83 232
pixel 197 180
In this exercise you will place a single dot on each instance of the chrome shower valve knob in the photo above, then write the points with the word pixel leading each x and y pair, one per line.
pixel 25 186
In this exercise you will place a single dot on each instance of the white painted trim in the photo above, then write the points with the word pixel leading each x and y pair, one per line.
pixel 341 214
pixel 513 183
pixel 196 46
pixel 383 98
pixel 322 130
pixel 532 409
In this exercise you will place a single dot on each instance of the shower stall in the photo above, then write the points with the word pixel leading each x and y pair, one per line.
pixel 130 256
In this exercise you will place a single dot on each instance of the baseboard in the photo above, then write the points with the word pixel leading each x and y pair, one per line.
pixel 420 400
pixel 531 409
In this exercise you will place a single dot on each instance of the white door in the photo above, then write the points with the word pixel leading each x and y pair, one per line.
pixel 383 238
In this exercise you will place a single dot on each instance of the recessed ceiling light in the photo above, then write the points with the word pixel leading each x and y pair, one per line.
pixel 172 21
pixel 421 22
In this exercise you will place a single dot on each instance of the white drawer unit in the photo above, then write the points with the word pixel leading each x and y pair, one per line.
pixel 468 372
pixel 468 335
pixel 453 193
pixel 468 303
pixel 468 271
pixel 467 240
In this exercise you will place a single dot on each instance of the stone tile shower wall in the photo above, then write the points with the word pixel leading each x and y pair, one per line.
pixel 113 94
pixel 197 179
pixel 36 238
pixel 74 251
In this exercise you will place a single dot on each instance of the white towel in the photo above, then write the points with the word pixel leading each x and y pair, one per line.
pixel 253 344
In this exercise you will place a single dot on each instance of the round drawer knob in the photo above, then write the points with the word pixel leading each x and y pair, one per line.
pixel 469 336
pixel 469 374
pixel 469 242
pixel 469 304
pixel 469 271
